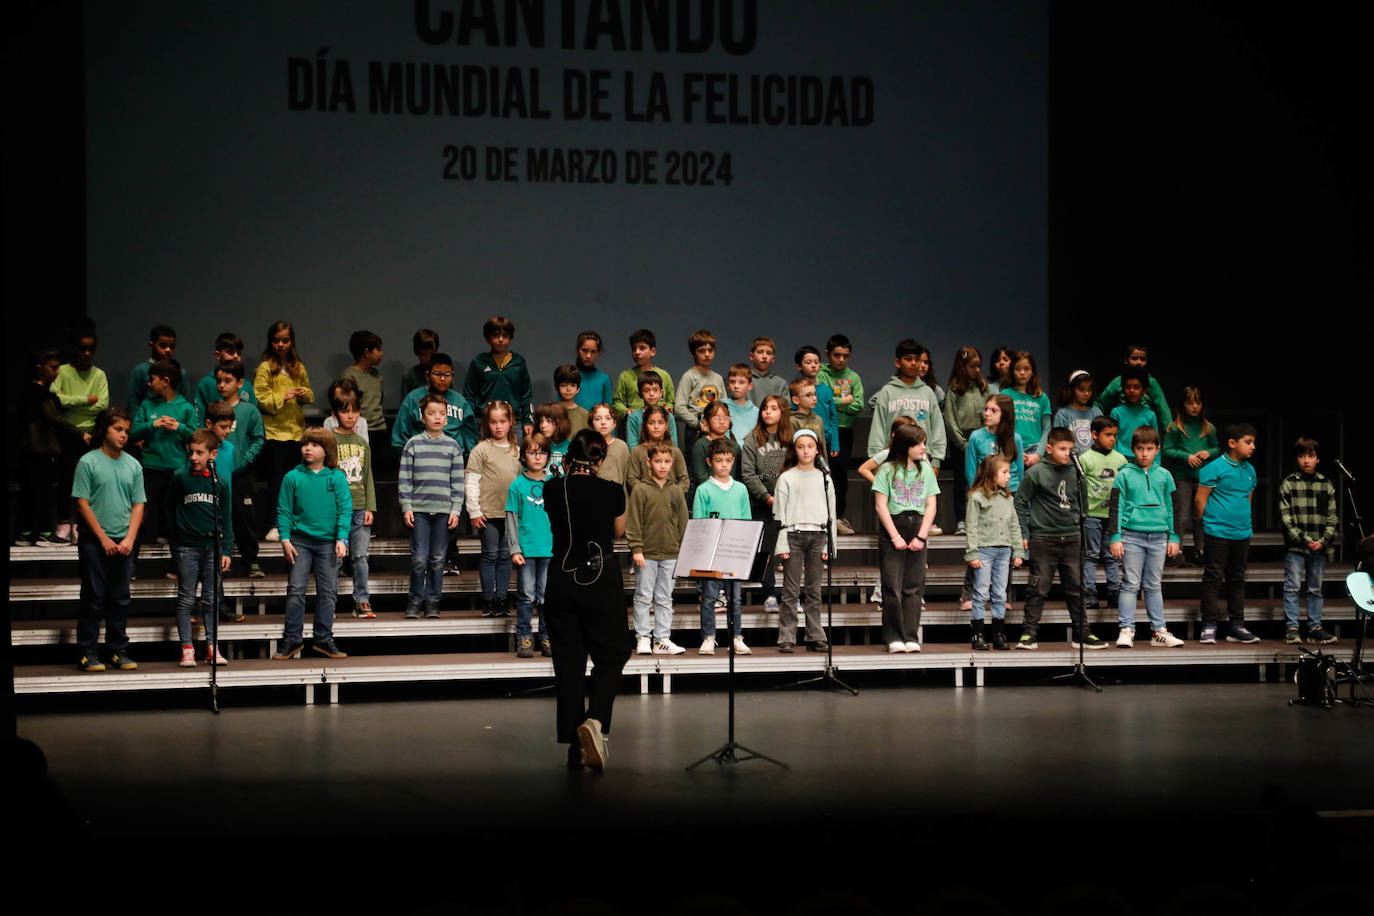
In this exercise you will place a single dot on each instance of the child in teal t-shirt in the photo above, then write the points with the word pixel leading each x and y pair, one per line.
pixel 721 496
pixel 530 541
pixel 1031 405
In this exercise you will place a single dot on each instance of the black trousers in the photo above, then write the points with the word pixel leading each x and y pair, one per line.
pixel 1224 570
pixel 1048 554
pixel 243 491
pixel 586 621
pixel 839 470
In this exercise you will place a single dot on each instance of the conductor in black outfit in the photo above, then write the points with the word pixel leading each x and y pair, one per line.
pixel 584 599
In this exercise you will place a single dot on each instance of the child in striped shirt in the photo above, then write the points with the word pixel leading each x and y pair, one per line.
pixel 430 487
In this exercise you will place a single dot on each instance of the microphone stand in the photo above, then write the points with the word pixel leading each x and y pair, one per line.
pixel 212 618
pixel 827 679
pixel 1078 677
pixel 1354 672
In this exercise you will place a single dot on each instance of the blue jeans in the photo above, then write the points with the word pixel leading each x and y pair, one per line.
pixel 531 578
pixel 990 582
pixel 104 593
pixel 194 565
pixel 654 588
pixel 710 588
pixel 1095 552
pixel 318 557
pixel 359 539
pixel 428 544
pixel 1142 566
pixel 494 570
pixel 1296 567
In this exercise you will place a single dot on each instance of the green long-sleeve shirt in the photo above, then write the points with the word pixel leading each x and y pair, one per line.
pixel 841 383
pixel 1180 443
pixel 164 449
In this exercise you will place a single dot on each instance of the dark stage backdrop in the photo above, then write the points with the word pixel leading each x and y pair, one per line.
pixel 795 169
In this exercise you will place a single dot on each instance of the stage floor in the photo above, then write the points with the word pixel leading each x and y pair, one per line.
pixel 901 787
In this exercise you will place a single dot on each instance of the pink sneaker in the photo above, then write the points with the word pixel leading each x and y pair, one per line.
pixel 188 657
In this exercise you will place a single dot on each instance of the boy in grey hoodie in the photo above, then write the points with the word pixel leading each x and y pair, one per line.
pixel 906 395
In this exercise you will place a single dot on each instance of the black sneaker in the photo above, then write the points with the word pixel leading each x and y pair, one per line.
pixel 326 647
pixel 786 648
pixel 545 649
pixel 488 607
pixel 91 662
pixel 122 661
pixel 1090 641
pixel 1319 636
pixel 1291 637
pixel 524 647
pixel 288 648
pixel 575 756
pixel 819 645
pixel 451 568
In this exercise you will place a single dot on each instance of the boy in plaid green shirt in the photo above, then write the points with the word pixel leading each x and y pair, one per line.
pixel 1307 510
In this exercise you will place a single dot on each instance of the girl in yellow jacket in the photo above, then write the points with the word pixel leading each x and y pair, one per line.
pixel 282 388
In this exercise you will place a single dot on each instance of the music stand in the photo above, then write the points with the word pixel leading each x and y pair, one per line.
pixel 723 550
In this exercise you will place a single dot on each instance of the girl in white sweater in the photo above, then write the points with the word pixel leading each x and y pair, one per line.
pixel 804 507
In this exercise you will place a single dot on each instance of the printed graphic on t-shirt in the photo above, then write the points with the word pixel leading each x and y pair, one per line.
pixel 1082 434
pixel 840 388
pixel 1062 491
pixel 706 395
pixel 1102 483
pixel 352 466
pixel 908 492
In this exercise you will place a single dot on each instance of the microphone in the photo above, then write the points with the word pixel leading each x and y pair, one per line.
pixel 1345 470
pixel 1078 464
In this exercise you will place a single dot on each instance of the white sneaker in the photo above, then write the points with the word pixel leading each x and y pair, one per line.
pixel 1126 638
pixel 896 646
pixel 913 647
pixel 720 602
pixel 741 648
pixel 959 529
pixel 595 752
pixel 770 606
pixel 188 657
pixel 842 526
pixel 668 647
pixel 273 535
pixel 642 646
pixel 877 596
pixel 218 658
pixel 708 646
pixel 1163 639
